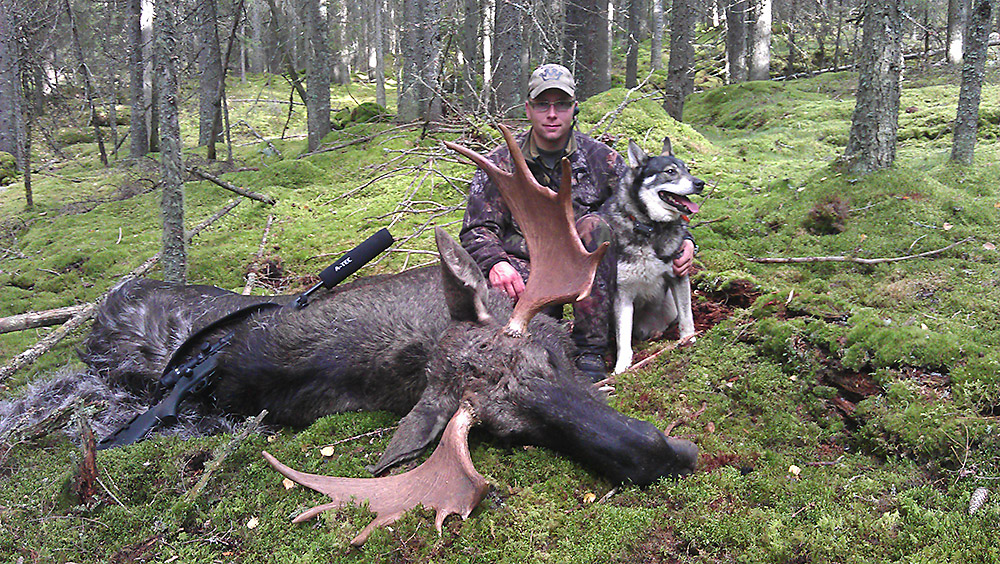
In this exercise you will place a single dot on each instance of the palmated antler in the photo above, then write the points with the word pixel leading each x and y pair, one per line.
pixel 446 482
pixel 561 268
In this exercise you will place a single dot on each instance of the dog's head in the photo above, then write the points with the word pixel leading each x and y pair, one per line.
pixel 661 184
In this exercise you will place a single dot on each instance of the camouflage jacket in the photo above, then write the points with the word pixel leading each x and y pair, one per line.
pixel 490 234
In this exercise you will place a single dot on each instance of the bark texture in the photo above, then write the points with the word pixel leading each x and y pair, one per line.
pixel 680 81
pixel 318 81
pixel 759 66
pixel 508 45
pixel 871 145
pixel 587 46
pixel 209 71
pixel 973 74
pixel 736 40
pixel 174 256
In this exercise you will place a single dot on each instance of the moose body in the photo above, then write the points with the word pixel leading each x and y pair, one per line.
pixel 388 343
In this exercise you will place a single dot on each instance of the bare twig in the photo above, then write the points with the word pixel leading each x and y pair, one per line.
pixel 360 140
pixel 252 277
pixel 249 428
pixel 231 187
pixel 685 419
pixel 788 260
pixel 362 436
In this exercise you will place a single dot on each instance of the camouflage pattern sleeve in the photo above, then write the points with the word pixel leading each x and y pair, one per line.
pixel 486 219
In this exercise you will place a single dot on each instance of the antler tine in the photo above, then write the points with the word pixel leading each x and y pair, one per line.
pixel 447 482
pixel 562 270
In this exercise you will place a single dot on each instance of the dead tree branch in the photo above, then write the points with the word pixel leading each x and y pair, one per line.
pixel 252 277
pixel 856 260
pixel 34 319
pixel 249 428
pixel 232 188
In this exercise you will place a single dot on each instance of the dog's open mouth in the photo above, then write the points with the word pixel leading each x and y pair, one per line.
pixel 683 204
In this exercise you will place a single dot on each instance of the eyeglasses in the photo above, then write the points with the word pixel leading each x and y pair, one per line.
pixel 559 105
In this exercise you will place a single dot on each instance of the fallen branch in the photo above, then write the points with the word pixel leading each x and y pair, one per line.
pixel 789 260
pixel 611 116
pixel 29 356
pixel 249 428
pixel 34 319
pixel 665 348
pixel 360 140
pixel 232 188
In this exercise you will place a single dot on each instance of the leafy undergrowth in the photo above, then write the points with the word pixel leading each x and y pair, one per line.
pixel 845 411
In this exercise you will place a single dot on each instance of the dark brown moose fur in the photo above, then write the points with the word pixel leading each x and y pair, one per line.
pixel 414 344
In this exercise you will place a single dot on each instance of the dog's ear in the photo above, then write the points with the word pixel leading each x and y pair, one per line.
pixel 667 149
pixel 636 156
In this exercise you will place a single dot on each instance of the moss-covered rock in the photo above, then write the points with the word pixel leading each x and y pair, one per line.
pixel 8 168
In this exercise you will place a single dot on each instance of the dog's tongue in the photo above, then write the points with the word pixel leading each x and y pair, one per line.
pixel 691 206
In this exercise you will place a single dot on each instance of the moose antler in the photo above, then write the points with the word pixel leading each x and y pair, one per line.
pixel 561 268
pixel 446 482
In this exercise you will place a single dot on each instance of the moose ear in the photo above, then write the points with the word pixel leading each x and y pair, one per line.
pixel 667 149
pixel 636 156
pixel 464 286
pixel 417 429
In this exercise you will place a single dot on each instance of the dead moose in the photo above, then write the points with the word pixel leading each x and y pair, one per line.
pixel 433 345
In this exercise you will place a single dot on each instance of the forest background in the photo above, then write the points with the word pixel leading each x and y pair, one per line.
pixel 844 390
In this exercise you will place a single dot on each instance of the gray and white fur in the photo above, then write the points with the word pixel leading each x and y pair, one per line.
pixel 648 215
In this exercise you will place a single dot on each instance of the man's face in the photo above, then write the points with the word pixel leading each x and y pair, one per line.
pixel 551 117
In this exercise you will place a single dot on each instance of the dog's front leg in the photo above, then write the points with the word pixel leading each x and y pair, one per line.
pixel 623 332
pixel 681 292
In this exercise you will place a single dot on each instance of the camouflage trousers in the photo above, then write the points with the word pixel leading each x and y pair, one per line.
pixel 591 315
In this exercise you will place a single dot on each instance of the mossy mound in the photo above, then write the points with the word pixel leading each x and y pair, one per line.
pixel 8 168
pixel 362 113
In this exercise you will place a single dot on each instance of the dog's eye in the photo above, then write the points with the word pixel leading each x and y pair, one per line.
pixel 671 171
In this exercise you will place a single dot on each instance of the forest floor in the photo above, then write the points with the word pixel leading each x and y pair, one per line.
pixel 845 411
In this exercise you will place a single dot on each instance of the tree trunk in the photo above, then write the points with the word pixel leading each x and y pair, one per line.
pixel 209 72
pixel 174 256
pixel 138 136
pixel 793 49
pixel 973 72
pixel 957 10
pixel 221 110
pixel 87 81
pixel 420 47
pixel 469 47
pixel 318 83
pixel 341 72
pixel 10 85
pixel 508 44
pixel 635 17
pixel 656 43
pixel 736 40
pixel 379 53
pixel 680 81
pixel 587 46
pixel 759 67
pixel 871 145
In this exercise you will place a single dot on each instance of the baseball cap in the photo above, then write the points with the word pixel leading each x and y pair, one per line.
pixel 551 76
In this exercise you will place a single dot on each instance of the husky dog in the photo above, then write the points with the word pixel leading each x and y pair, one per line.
pixel 648 215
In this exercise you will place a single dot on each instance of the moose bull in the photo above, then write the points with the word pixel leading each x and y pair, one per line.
pixel 429 344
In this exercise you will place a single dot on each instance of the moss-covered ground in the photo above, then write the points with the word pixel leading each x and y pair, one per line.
pixel 845 411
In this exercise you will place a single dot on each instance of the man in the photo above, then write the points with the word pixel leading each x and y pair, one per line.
pixel 497 245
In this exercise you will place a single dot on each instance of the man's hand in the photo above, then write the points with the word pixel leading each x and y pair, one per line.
pixel 682 264
pixel 503 276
